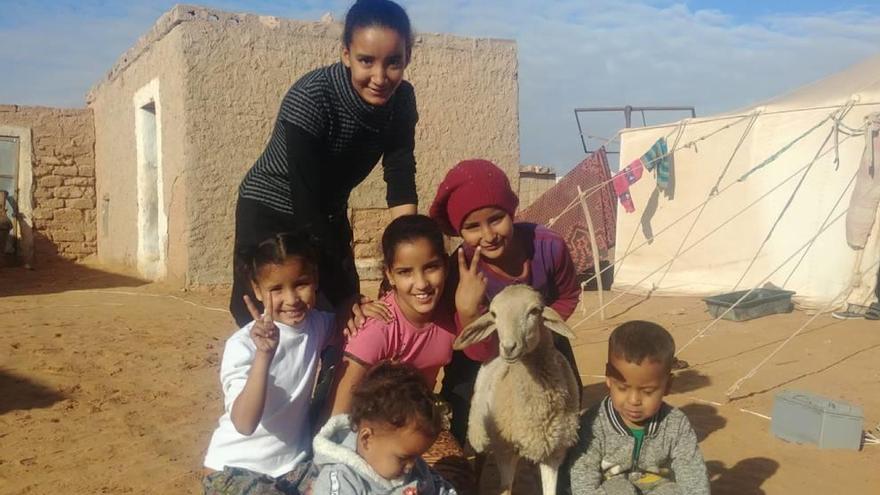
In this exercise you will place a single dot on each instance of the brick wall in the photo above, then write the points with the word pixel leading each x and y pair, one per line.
pixel 534 180
pixel 63 170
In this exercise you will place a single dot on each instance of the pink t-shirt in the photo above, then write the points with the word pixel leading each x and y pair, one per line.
pixel 428 348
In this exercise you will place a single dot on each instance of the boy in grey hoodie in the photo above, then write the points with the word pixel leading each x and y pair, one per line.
pixel 633 443
pixel 377 449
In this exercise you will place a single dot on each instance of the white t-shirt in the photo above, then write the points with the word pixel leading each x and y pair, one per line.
pixel 283 437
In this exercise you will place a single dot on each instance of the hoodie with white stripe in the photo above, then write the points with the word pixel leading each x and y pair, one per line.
pixel 344 472
pixel 669 460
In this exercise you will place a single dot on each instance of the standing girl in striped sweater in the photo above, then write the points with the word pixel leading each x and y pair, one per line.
pixel 334 124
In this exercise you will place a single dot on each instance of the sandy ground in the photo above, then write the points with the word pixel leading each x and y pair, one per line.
pixel 109 385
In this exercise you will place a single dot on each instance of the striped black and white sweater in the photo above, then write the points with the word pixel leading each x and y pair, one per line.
pixel 326 140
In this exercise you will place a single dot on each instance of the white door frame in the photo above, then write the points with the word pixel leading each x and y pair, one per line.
pixel 25 224
pixel 151 265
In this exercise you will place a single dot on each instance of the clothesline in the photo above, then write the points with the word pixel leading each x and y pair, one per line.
pixel 592 190
pixel 628 252
pixel 762 109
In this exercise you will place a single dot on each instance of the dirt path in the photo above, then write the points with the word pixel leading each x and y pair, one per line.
pixel 109 385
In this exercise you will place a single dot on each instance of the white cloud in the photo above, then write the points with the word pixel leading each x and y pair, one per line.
pixel 607 53
pixel 572 53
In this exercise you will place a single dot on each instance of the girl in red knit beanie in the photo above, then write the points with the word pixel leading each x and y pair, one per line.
pixel 475 201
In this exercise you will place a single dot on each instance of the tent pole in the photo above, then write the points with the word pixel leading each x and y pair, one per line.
pixel 595 248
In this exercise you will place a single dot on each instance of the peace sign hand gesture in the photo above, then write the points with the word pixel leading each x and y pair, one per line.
pixel 471 286
pixel 264 332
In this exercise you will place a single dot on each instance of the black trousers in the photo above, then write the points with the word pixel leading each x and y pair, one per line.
pixel 255 222
pixel 461 373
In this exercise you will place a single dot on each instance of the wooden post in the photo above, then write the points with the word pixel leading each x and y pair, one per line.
pixel 595 248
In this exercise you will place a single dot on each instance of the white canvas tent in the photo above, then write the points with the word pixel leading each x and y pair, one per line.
pixel 699 244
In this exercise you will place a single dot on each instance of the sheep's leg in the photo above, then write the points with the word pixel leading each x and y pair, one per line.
pixel 549 476
pixel 507 462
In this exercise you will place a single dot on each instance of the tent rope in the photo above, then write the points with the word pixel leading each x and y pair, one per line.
pixel 698 241
pixel 712 192
pixel 785 148
pixel 736 386
pixel 806 251
pixel 784 210
pixel 822 228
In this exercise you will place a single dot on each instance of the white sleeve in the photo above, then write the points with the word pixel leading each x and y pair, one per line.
pixel 234 369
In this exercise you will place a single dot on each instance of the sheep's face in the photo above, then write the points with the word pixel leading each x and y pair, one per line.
pixel 519 316
pixel 519 328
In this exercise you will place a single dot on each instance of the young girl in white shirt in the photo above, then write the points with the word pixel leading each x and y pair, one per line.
pixel 262 443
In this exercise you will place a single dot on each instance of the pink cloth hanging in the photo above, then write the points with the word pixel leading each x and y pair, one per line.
pixel 625 178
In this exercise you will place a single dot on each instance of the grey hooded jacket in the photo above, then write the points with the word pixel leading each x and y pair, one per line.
pixel 344 472
pixel 602 460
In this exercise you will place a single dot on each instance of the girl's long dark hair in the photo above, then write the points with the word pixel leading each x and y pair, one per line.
pixel 408 228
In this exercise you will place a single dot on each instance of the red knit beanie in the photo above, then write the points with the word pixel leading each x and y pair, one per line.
pixel 470 186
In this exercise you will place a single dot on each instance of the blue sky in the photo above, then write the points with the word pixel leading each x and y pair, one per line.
pixel 715 55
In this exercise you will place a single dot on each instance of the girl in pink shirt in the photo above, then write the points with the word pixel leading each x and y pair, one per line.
pixel 422 327
pixel 420 333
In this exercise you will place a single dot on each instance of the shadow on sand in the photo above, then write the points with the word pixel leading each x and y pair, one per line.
pixel 20 393
pixel 60 276
pixel 704 418
pixel 744 478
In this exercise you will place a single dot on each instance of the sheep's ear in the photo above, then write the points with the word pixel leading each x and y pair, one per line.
pixel 477 331
pixel 554 322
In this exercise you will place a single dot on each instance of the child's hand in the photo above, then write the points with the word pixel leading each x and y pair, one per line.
pixel 471 285
pixel 264 332
pixel 364 308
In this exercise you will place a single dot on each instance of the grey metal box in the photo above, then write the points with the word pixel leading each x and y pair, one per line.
pixel 803 417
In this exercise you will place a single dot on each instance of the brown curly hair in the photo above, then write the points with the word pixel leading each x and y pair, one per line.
pixel 396 394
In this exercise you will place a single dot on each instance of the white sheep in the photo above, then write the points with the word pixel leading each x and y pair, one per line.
pixel 526 400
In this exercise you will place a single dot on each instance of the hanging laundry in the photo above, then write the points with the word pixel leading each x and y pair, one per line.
pixel 866 195
pixel 658 157
pixel 625 178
